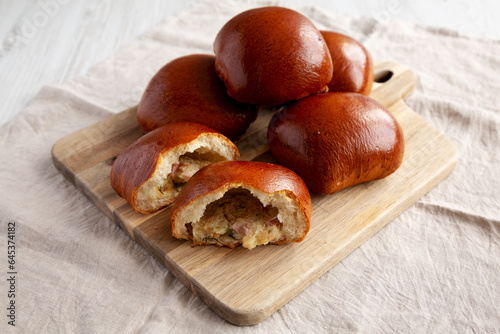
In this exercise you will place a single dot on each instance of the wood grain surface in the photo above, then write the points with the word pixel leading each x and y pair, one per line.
pixel 246 286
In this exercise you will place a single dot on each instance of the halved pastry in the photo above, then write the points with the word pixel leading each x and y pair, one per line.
pixel 150 173
pixel 242 202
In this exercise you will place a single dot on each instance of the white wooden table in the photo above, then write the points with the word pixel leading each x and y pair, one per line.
pixel 47 42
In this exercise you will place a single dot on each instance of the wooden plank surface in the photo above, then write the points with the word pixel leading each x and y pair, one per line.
pixel 243 286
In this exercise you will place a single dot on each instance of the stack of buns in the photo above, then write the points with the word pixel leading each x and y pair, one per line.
pixel 326 135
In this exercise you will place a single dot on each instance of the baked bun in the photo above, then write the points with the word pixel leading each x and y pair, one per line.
pixel 150 173
pixel 271 55
pixel 187 89
pixel 242 202
pixel 352 64
pixel 336 140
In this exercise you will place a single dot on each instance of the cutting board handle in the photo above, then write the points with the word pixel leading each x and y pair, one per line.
pixel 392 83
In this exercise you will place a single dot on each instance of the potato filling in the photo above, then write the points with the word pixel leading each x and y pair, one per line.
pixel 182 170
pixel 237 218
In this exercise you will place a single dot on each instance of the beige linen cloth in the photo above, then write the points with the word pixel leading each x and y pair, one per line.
pixel 435 268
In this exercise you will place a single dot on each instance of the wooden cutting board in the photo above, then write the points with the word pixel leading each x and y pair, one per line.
pixel 243 286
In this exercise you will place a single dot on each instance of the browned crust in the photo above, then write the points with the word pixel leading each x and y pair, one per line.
pixel 187 89
pixel 138 162
pixel 336 140
pixel 271 55
pixel 266 177
pixel 352 64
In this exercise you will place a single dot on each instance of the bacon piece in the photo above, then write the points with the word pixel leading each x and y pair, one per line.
pixel 273 221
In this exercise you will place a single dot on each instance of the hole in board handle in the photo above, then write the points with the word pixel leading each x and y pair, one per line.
pixel 383 76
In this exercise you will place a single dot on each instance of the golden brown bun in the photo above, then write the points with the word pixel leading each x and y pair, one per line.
pixel 336 140
pixel 146 165
pixel 352 64
pixel 272 184
pixel 271 55
pixel 187 89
